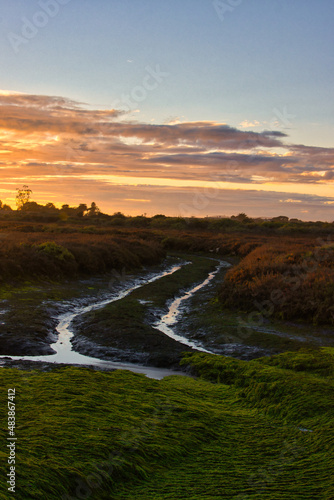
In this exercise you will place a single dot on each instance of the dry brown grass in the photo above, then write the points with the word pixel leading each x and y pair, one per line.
pixel 54 255
pixel 292 279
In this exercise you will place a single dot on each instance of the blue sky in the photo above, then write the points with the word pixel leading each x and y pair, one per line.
pixel 254 65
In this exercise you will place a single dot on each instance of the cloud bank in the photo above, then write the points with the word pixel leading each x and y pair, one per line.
pixel 55 142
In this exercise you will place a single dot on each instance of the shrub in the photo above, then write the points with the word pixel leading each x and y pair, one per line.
pixel 57 251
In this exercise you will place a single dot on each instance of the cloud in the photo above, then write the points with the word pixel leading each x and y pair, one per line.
pixel 33 113
pixel 247 124
pixel 51 137
pixel 290 200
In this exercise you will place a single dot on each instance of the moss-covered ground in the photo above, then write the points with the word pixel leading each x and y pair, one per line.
pixel 243 430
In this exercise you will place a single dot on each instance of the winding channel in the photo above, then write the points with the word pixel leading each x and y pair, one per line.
pixel 64 352
pixel 175 310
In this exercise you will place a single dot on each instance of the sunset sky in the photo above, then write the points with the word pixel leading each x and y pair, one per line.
pixel 181 107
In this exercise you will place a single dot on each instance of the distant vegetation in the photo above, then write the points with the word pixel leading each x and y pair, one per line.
pixel 284 268
pixel 69 255
pixel 94 220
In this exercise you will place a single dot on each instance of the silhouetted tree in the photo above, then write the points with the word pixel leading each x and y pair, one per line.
pixel 93 209
pixel 31 206
pixel 22 196
pixel 242 217
pixel 50 206
pixel 5 207
pixel 80 210
pixel 281 218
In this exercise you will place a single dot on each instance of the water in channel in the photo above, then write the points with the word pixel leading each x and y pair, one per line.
pixel 63 347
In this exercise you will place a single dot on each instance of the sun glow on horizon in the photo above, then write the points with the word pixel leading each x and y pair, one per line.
pixel 55 145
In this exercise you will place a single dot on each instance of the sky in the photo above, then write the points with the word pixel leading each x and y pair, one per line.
pixel 186 107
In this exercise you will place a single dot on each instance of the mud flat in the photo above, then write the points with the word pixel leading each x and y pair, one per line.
pixel 163 352
pixel 135 328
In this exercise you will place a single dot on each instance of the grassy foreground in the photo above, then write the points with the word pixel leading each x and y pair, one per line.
pixel 244 430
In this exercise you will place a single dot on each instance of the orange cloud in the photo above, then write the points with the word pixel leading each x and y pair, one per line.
pixel 54 141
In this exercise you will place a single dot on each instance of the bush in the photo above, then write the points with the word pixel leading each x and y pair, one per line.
pixel 57 251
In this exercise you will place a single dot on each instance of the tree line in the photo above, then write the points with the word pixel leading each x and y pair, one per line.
pixel 24 204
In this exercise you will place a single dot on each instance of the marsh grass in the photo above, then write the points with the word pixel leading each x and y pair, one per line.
pixel 295 278
pixel 53 256
pixel 296 386
pixel 245 430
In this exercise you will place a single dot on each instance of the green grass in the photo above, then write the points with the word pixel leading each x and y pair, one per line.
pixel 120 435
pixel 292 386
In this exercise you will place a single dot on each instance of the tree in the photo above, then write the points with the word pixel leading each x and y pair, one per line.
pixel 242 217
pixel 119 215
pixel 31 206
pixel 280 218
pixel 22 196
pixel 79 211
pixel 50 206
pixel 93 209
pixel 4 206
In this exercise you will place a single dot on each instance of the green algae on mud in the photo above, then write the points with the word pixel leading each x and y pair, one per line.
pixel 263 431
pixel 122 329
pixel 120 332
pixel 292 385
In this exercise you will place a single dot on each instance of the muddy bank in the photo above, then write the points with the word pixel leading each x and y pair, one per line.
pixel 238 335
pixel 50 316
pixel 130 328
pixel 205 323
pixel 44 366
pixel 27 330
pixel 137 344
pixel 191 318
pixel 160 321
pixel 29 311
pixel 121 332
